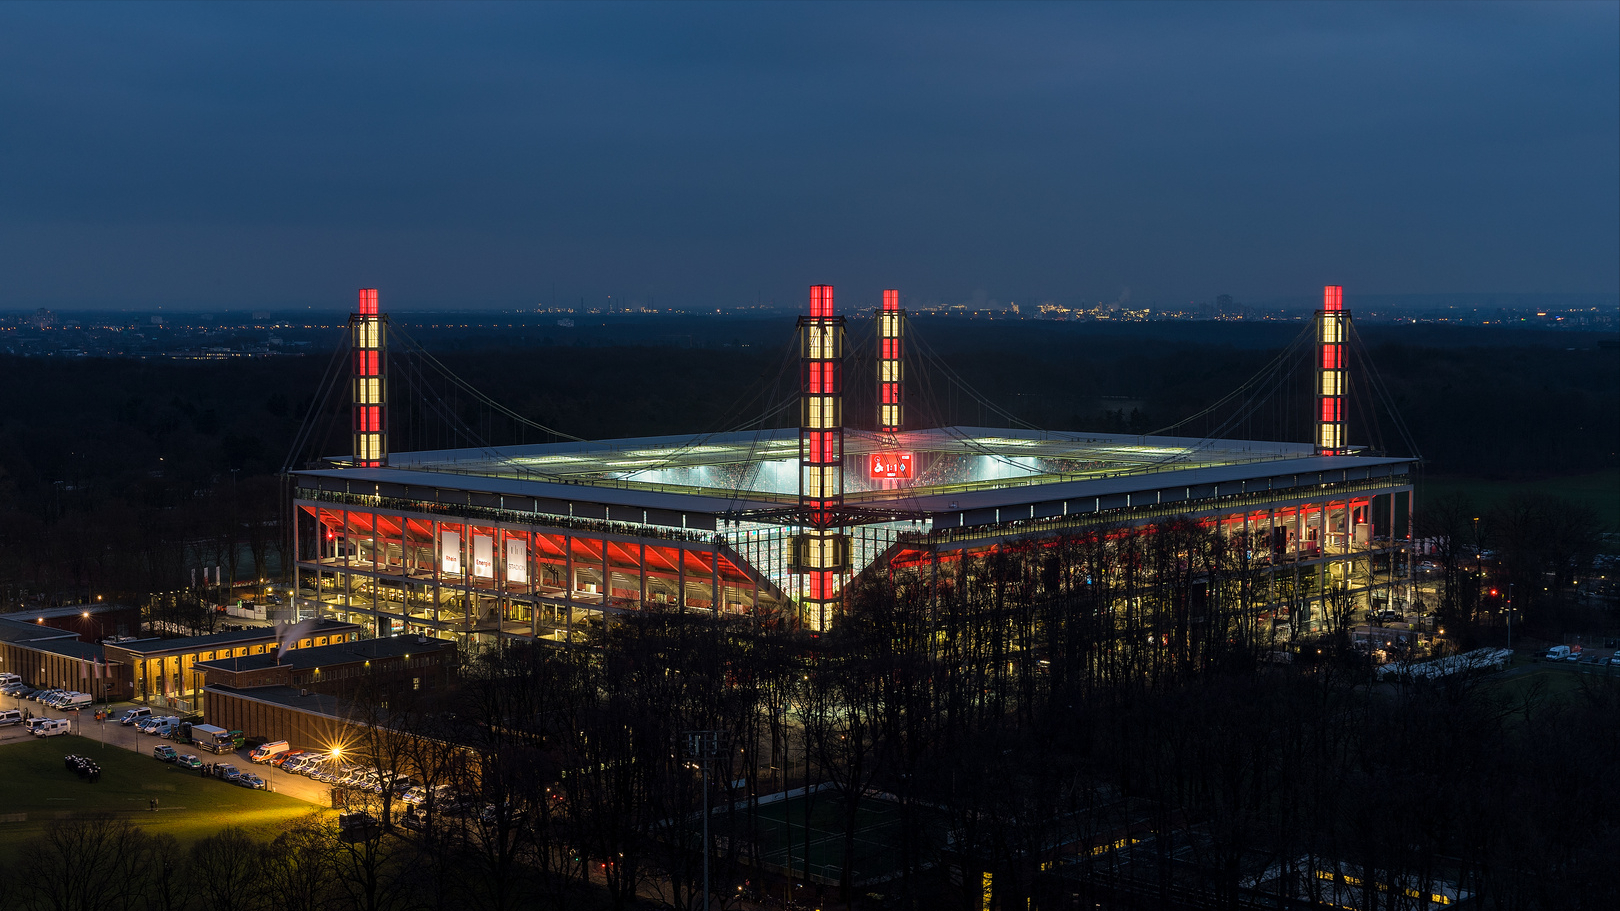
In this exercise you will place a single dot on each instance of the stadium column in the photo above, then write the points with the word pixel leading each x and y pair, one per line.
pixel 891 363
pixel 821 551
pixel 1332 328
pixel 370 377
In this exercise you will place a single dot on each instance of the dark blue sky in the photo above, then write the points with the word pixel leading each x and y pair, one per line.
pixel 238 155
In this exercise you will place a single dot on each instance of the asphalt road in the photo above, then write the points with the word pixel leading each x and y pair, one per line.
pixel 119 736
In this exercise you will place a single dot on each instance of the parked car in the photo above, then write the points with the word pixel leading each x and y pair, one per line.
pixel 164 753
pixel 250 780
pixel 227 772
pixel 188 761
pixel 282 760
pixel 356 825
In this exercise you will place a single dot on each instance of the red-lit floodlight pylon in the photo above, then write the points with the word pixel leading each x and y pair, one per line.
pixel 1333 377
pixel 891 363
pixel 370 383
pixel 821 553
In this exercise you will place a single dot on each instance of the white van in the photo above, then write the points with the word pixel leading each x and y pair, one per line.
pixel 163 727
pixel 1559 653
pixel 269 751
pixel 54 726
pixel 10 716
pixel 76 701
pixel 133 715
pixel 9 679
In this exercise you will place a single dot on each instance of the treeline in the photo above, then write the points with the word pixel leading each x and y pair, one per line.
pixel 1530 553
pixel 1102 716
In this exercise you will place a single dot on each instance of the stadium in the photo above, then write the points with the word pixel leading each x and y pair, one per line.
pixel 552 541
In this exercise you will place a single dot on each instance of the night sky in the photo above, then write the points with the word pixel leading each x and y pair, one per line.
pixel 236 155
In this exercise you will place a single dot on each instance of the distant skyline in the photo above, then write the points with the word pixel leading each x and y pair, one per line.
pixel 269 156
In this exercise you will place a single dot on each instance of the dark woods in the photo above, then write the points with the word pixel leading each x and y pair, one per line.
pixel 1098 720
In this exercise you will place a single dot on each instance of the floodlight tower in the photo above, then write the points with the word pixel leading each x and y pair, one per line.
pixel 1333 377
pixel 370 388
pixel 822 554
pixel 891 363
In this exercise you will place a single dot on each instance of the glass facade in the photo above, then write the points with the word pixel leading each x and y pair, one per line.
pixel 393 570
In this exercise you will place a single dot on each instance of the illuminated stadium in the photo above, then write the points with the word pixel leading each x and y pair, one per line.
pixel 551 541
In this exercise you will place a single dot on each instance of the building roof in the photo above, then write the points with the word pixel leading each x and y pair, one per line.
pixel 20 631
pixel 66 610
pixel 1281 474
pixel 292 697
pixel 72 648
pixel 239 636
pixel 661 480
pixel 329 655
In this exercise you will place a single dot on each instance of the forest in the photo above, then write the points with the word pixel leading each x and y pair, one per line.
pixel 1097 722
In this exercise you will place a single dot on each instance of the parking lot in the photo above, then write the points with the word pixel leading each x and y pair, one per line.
pixel 118 736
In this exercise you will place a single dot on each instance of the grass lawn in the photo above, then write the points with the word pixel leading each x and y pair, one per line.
pixel 34 784
pixel 1550 683
pixel 782 836
pixel 1599 490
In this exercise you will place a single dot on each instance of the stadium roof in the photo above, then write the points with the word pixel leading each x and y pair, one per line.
pixel 957 469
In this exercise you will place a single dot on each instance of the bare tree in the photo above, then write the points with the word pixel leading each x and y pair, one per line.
pixel 227 870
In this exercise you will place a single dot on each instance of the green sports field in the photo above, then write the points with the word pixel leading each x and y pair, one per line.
pixel 782 837
pixel 1599 490
pixel 35 789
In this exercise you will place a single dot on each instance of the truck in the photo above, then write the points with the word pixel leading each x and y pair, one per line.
pixel 215 739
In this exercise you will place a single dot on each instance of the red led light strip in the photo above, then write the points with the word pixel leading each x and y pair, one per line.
pixel 369 383
pixel 891 363
pixel 821 454
pixel 1332 377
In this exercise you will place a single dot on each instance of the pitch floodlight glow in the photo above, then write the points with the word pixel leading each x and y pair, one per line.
pixel 370 382
pixel 1332 329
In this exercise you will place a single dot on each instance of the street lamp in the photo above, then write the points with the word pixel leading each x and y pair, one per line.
pixel 704 746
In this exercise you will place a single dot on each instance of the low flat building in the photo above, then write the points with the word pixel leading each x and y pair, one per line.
pixel 308 721
pixel 161 671
pixel 51 658
pixel 395 663
pixel 91 622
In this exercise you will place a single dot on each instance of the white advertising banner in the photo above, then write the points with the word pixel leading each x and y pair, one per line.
pixel 517 561
pixel 483 556
pixel 450 550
